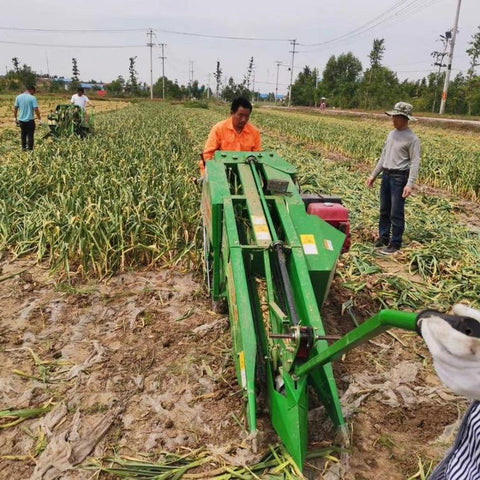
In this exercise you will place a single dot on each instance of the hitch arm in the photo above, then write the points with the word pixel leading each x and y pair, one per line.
pixel 375 325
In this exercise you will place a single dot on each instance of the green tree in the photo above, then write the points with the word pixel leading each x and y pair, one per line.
pixel 175 91
pixel 472 84
pixel 378 86
pixel 248 76
pixel 474 53
pixel 132 84
pixel 75 75
pixel 304 89
pixel 19 78
pixel 376 54
pixel 341 79
pixel 218 78
pixel 196 91
pixel 232 90
pixel 16 64
pixel 457 102
pixel 55 85
pixel 116 87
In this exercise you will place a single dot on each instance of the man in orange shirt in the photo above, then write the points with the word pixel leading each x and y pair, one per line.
pixel 234 134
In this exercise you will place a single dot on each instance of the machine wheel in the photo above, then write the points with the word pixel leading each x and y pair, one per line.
pixel 218 306
pixel 207 259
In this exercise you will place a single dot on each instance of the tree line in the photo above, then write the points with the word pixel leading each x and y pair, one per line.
pixel 343 83
pixel 346 85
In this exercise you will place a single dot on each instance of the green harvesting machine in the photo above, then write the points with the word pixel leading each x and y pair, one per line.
pixel 68 119
pixel 270 255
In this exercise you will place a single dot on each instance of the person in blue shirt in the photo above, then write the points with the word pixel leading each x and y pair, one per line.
pixel 25 108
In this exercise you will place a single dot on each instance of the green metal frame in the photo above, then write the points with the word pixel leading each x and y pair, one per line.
pixel 251 206
pixel 68 119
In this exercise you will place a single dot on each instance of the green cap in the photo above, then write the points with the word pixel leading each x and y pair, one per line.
pixel 402 108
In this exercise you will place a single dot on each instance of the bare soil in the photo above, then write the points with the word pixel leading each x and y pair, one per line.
pixel 139 364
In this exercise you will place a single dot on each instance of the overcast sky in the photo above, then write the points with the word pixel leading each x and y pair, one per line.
pixel 411 29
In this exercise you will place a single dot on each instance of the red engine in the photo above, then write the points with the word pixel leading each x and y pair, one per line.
pixel 336 215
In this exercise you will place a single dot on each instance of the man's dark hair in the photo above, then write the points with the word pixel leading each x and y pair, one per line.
pixel 80 90
pixel 240 102
pixel 31 88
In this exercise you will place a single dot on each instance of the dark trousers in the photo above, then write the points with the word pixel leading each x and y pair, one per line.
pixel 392 208
pixel 27 130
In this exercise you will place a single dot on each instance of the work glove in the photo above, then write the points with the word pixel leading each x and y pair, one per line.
pixel 454 343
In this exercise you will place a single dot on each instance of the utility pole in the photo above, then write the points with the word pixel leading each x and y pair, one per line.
pixel 163 57
pixel 439 56
pixel 48 68
pixel 293 42
pixel 150 44
pixel 276 83
pixel 450 58
pixel 190 72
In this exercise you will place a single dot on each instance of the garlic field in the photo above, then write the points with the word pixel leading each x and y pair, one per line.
pixel 113 364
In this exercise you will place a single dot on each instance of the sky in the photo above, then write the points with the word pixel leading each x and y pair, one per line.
pixel 198 34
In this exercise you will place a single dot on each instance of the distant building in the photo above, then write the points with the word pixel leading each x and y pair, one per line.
pixel 86 85
pixel 266 96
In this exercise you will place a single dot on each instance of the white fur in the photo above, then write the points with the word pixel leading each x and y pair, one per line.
pixel 456 356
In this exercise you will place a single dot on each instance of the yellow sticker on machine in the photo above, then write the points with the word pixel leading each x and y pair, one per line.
pixel 309 245
pixel 261 232
pixel 243 375
pixel 260 228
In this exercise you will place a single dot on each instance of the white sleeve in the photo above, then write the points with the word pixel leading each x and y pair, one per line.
pixel 456 356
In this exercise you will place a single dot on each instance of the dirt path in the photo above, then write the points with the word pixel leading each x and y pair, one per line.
pixel 456 123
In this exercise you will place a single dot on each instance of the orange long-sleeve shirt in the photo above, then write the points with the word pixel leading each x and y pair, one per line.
pixel 223 136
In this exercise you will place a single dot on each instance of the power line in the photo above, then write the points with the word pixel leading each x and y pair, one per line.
pixel 356 29
pixel 31 44
pixel 225 37
pixel 73 30
pixel 174 32
pixel 393 14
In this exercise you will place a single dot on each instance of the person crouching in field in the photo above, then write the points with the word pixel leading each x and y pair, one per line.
pixel 398 164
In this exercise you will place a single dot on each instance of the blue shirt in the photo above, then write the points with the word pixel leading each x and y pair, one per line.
pixel 26 104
